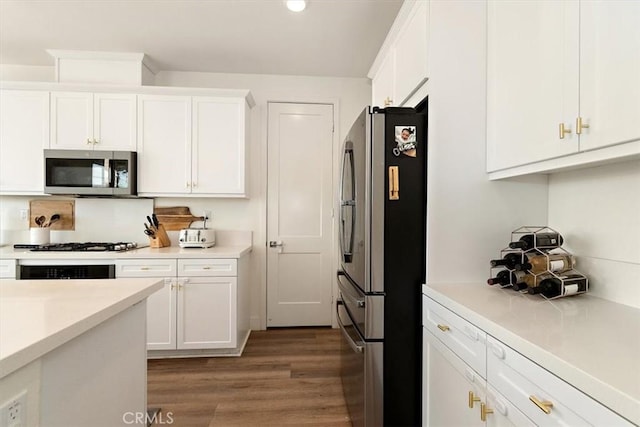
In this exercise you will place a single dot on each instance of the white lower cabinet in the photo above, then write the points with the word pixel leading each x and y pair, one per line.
pixel 7 268
pixel 472 379
pixel 196 308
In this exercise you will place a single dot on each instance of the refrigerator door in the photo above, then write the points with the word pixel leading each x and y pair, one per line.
pixel 353 202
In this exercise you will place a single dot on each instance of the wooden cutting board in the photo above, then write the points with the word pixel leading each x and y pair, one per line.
pixel 64 208
pixel 176 218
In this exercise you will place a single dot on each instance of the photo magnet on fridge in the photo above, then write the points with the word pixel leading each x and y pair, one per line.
pixel 406 140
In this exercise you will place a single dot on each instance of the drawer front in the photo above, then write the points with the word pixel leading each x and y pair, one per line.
pixel 207 267
pixel 465 340
pixel 541 396
pixel 8 268
pixel 146 268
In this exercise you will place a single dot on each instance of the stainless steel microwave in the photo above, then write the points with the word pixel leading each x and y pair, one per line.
pixel 90 172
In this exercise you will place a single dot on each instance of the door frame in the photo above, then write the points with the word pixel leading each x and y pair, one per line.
pixel 261 238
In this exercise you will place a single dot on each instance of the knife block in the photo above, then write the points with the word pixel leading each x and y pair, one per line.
pixel 161 239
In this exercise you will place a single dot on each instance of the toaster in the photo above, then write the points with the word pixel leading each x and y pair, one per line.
pixel 196 238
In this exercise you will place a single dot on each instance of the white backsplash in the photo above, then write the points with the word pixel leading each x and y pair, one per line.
pixel 597 210
pixel 97 220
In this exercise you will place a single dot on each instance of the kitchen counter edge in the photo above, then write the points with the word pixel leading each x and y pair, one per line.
pixel 238 251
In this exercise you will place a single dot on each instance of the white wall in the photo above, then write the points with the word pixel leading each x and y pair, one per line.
pixel 597 210
pixel 470 218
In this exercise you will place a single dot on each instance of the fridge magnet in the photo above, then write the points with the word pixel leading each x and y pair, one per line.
pixel 406 140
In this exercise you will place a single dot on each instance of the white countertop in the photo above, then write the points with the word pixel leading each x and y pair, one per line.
pixel 37 316
pixel 227 251
pixel 591 343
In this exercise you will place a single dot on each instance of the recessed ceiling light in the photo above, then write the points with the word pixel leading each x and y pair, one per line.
pixel 296 5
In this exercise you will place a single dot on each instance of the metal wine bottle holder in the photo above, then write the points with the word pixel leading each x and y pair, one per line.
pixel 572 282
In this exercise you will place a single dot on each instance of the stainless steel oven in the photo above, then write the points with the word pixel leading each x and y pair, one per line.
pixel 361 353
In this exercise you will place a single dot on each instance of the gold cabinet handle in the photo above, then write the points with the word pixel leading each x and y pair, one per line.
pixel 144 268
pixel 206 268
pixel 564 130
pixel 580 126
pixel 95 141
pixel 473 398
pixel 544 405
pixel 443 328
pixel 484 411
pixel 88 140
pixel 388 101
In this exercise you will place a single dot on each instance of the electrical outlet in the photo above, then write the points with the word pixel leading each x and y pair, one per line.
pixel 207 215
pixel 24 214
pixel 13 411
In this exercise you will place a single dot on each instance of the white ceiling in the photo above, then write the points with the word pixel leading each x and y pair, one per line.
pixel 330 38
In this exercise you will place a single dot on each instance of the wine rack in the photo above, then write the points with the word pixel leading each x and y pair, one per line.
pixel 536 263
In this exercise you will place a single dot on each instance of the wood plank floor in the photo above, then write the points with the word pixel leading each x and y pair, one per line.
pixel 284 377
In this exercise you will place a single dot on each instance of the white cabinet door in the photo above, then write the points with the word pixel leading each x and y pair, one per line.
pixel 532 81
pixel 87 121
pixel 164 144
pixel 207 314
pixel 161 317
pixel 411 53
pixel 218 146
pixel 450 387
pixel 72 120
pixel 24 133
pixel 383 82
pixel 114 121
pixel 609 72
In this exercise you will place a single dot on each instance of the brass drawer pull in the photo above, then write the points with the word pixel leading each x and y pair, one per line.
pixel 443 328
pixel 484 411
pixel 545 406
pixel 473 398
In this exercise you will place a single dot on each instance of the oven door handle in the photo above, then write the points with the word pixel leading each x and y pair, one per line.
pixel 355 346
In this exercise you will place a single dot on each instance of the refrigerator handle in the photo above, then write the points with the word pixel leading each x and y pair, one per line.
pixel 346 244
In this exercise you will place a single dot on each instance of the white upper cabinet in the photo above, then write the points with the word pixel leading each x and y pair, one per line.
pixel 609 72
pixel 563 80
pixel 164 144
pixel 400 68
pixel 192 145
pixel 24 134
pixel 101 121
pixel 218 145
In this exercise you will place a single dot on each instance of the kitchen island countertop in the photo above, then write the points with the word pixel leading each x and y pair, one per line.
pixel 38 316
pixel 591 343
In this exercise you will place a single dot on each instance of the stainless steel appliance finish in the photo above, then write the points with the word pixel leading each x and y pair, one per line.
pixel 90 172
pixel 382 261
pixel 361 372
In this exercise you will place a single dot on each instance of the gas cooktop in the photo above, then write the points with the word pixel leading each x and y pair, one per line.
pixel 79 247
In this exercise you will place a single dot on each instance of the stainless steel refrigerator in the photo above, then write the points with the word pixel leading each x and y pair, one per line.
pixel 382 265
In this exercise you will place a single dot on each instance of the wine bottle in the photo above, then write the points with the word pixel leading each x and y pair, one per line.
pixel 546 241
pixel 529 281
pixel 537 264
pixel 502 278
pixel 552 286
pixel 506 277
pixel 510 260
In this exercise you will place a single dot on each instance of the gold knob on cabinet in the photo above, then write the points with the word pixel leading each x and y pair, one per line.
pixel 388 101
pixel 484 411
pixel 544 405
pixel 443 328
pixel 580 126
pixel 473 398
pixel 564 130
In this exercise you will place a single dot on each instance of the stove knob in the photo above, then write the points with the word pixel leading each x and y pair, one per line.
pixel 117 247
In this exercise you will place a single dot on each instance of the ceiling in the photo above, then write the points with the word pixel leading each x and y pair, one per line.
pixel 338 38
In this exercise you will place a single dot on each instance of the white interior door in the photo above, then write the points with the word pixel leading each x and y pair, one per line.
pixel 299 214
